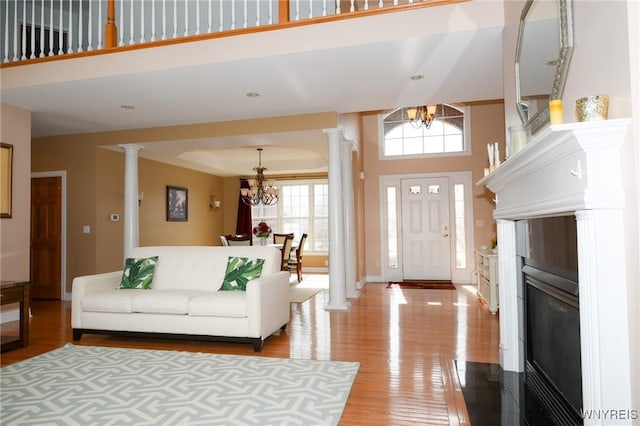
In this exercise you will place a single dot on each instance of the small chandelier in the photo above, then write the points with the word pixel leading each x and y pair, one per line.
pixel 260 190
pixel 422 115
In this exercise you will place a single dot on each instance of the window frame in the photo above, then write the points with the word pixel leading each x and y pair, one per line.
pixel 310 243
pixel 466 112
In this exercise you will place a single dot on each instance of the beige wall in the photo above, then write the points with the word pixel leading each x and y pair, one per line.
pixel 95 189
pixel 487 126
pixel 76 156
pixel 202 228
pixel 15 129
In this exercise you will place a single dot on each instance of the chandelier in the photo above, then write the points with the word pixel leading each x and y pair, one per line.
pixel 260 190
pixel 422 115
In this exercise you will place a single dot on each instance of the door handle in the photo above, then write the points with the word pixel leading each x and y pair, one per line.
pixel 446 235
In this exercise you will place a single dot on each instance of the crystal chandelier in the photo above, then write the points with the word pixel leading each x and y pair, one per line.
pixel 260 190
pixel 422 115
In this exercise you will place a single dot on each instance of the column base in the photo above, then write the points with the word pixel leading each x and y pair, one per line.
pixel 345 306
pixel 353 295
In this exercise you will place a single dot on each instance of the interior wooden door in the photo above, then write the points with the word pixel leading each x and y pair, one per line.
pixel 46 238
pixel 426 246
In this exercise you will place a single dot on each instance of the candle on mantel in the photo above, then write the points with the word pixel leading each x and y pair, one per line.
pixel 519 136
pixel 555 111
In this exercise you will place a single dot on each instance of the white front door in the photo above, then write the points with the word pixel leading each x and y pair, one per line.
pixel 426 245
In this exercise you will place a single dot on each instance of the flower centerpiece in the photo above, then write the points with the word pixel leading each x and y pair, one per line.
pixel 262 231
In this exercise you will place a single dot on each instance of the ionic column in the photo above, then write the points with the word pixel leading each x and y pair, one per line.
pixel 349 220
pixel 337 300
pixel 130 197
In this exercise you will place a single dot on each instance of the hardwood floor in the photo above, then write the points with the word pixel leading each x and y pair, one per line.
pixel 405 340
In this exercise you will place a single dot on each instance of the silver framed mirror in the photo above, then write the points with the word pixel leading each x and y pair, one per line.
pixel 543 53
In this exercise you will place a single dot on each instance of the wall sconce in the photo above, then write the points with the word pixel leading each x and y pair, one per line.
pixel 214 204
pixel 140 198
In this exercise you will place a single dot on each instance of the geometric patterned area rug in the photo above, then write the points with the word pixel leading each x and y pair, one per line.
pixel 424 284
pixel 89 385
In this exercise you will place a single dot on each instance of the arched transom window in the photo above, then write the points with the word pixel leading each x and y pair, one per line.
pixel 446 134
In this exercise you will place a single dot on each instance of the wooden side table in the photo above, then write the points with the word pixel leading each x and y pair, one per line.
pixel 16 292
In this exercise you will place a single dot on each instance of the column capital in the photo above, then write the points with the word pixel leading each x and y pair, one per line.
pixel 130 147
pixel 336 131
pixel 350 143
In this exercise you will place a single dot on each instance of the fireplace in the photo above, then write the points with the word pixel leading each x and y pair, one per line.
pixel 547 251
pixel 569 170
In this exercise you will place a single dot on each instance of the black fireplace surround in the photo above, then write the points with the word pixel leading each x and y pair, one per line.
pixel 547 251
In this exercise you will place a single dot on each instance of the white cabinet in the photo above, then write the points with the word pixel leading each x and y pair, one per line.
pixel 487 271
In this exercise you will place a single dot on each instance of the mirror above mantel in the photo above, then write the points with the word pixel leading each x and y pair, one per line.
pixel 543 53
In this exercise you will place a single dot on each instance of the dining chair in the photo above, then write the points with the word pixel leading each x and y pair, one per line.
pixel 224 241
pixel 239 240
pixel 286 252
pixel 296 264
pixel 279 238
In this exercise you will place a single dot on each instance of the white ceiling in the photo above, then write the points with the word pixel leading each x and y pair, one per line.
pixel 347 66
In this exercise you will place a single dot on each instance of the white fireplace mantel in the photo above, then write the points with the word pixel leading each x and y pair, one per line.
pixel 572 169
pixel 565 168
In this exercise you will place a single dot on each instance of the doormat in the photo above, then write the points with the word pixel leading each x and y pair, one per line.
pixel 423 284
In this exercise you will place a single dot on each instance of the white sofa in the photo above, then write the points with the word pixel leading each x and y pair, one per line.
pixel 184 301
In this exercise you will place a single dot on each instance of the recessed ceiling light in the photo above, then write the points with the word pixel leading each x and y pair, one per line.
pixel 417 77
pixel 253 95
pixel 127 107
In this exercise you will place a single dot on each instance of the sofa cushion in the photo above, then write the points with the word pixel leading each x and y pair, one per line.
pixel 202 267
pixel 240 270
pixel 164 301
pixel 112 301
pixel 220 303
pixel 138 272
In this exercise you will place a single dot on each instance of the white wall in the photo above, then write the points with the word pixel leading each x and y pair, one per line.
pixel 605 61
pixel 15 129
pixel 634 183
pixel 600 62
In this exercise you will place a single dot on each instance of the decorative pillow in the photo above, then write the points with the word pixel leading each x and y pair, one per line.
pixel 241 270
pixel 138 273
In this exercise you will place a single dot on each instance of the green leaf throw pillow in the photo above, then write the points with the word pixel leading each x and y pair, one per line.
pixel 138 273
pixel 241 270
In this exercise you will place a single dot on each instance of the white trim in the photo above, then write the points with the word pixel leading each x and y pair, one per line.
pixel 375 279
pixel 466 152
pixel 465 178
pixel 63 226
pixel 316 270
pixel 574 168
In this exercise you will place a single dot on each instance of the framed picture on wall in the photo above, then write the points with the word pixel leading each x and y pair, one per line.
pixel 177 204
pixel 6 172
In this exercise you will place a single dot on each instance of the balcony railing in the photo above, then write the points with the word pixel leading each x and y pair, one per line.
pixel 33 29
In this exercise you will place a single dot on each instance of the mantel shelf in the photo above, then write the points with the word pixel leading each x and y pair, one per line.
pixel 564 168
pixel 573 169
